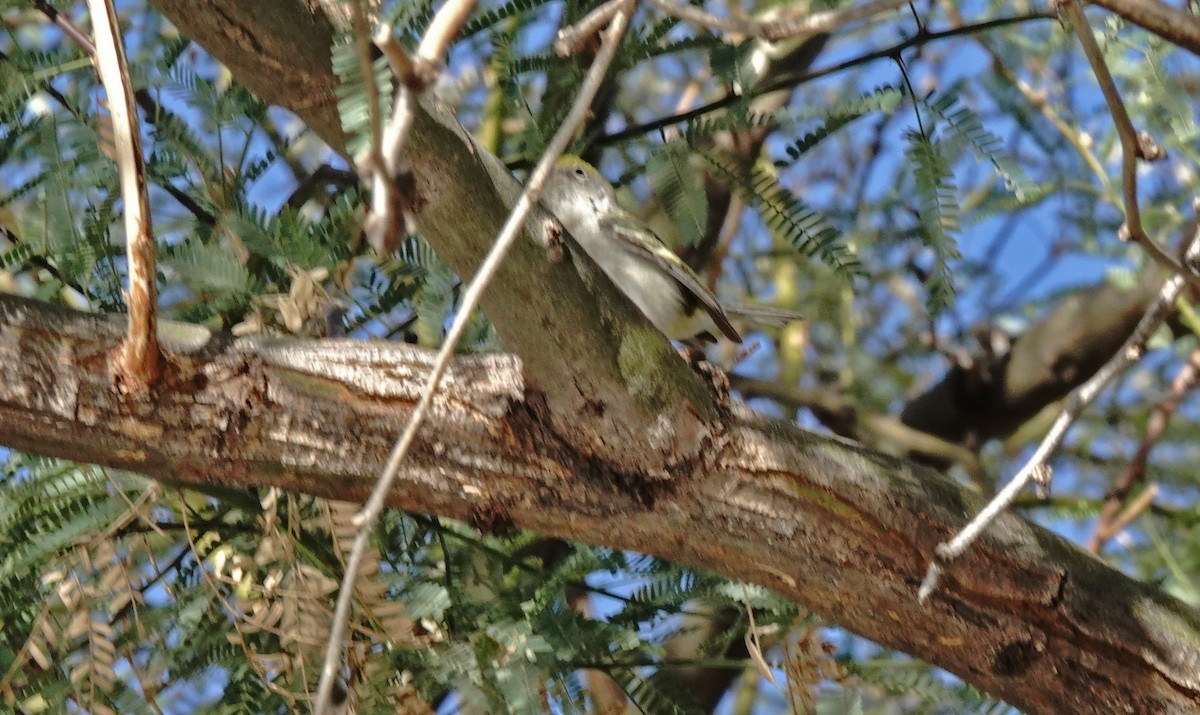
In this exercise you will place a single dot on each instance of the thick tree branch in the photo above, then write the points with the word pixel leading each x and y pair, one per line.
pixel 1175 26
pixel 998 392
pixel 616 388
pixel 842 530
pixel 283 57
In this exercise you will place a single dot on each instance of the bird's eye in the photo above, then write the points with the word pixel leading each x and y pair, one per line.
pixel 580 172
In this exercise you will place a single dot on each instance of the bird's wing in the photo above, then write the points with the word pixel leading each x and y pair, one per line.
pixel 626 229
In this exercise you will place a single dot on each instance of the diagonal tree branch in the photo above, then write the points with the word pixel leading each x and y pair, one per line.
pixel 842 530
pixel 998 391
pixel 791 509
pixel 1037 468
pixel 1174 26
pixel 588 347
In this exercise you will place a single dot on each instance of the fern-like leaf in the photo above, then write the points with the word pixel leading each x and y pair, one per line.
pixel 807 230
pixel 939 216
pixel 353 107
pixel 986 145
pixel 209 268
pixel 491 18
pixel 681 191
pixel 882 99
pixel 657 693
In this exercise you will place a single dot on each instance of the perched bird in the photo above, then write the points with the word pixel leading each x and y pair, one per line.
pixel 637 261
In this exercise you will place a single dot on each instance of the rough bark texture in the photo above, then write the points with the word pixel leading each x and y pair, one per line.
pixel 280 50
pixel 1176 26
pixel 615 385
pixel 564 441
pixel 845 531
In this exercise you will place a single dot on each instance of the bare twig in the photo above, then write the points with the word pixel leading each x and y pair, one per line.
pixel 570 38
pixel 788 82
pixel 369 516
pixel 1111 520
pixel 1037 467
pixel 441 31
pixel 387 221
pixel 1134 146
pixel 362 40
pixel 69 29
pixel 774 30
pixel 753 643
pixel 384 223
pixel 1134 509
pixel 1038 100
pixel 398 60
pixel 139 361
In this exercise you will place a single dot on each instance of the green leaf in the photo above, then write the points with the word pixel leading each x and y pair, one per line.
pixel 882 99
pixel 807 230
pixel 680 188
pixel 938 214
pixel 986 145
pixel 353 105
pixel 207 268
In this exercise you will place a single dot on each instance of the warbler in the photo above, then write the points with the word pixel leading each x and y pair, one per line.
pixel 637 261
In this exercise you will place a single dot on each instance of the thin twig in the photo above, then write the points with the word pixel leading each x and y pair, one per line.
pixel 395 54
pixel 387 223
pixel 1037 467
pixel 1134 146
pixel 1134 509
pixel 369 516
pixel 362 41
pixel 781 29
pixel 69 29
pixel 571 37
pixel 139 361
pixel 1110 521
pixel 791 81
pixel 381 224
pixel 1038 100
pixel 440 32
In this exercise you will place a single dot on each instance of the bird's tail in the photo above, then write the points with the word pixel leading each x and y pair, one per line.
pixel 762 315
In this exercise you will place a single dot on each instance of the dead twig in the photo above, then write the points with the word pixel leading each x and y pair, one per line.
pixel 1112 517
pixel 139 360
pixel 369 516
pixel 1037 468
pixel 1134 145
